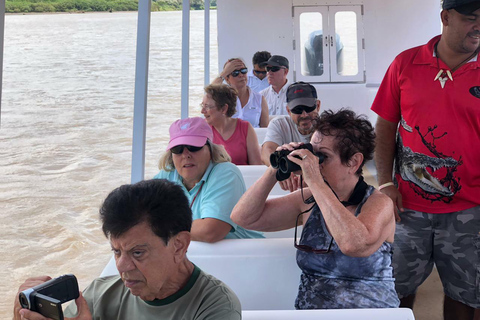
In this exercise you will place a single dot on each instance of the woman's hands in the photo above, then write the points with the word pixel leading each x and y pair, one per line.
pixel 307 161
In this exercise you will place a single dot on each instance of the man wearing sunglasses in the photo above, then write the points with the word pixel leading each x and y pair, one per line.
pixel 277 70
pixel 257 78
pixel 303 107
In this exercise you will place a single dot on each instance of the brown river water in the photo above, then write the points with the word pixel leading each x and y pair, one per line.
pixel 66 131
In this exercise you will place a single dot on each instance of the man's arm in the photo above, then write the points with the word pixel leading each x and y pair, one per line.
pixel 384 157
pixel 264 116
pixel 267 149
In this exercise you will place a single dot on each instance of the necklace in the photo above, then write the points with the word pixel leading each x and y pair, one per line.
pixel 442 76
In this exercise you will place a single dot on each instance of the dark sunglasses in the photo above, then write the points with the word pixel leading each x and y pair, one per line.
pixel 300 109
pixel 273 69
pixel 179 149
pixel 235 73
pixel 305 248
pixel 259 72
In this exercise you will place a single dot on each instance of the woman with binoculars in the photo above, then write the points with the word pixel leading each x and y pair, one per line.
pixel 345 248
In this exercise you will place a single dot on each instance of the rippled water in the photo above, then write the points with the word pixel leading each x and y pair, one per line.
pixel 66 130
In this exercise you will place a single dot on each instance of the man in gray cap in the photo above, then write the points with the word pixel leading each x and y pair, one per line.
pixel 277 70
pixel 427 160
pixel 298 126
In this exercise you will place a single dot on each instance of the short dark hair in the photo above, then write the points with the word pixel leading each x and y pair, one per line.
pixel 352 134
pixel 260 56
pixel 223 94
pixel 159 202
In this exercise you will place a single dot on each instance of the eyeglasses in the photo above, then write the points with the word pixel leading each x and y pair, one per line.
pixel 259 72
pixel 206 106
pixel 235 73
pixel 300 109
pixel 179 149
pixel 306 248
pixel 274 68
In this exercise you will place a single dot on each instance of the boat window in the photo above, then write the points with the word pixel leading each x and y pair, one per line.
pixel 328 44
pixel 345 36
pixel 311 43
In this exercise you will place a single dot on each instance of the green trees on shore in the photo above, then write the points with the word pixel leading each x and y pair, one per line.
pixel 25 6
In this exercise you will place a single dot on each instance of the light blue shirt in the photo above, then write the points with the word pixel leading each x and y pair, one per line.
pixel 215 195
pixel 255 83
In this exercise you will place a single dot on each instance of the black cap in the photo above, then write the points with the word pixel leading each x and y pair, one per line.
pixel 275 61
pixel 462 6
pixel 301 94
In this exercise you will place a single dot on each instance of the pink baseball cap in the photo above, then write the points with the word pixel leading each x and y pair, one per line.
pixel 190 131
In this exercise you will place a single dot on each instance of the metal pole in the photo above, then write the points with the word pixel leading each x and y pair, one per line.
pixel 185 56
pixel 141 90
pixel 2 35
pixel 207 43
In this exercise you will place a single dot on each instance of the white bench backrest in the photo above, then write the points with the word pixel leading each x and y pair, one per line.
pixel 262 272
pixel 253 173
pixel 261 133
pixel 338 314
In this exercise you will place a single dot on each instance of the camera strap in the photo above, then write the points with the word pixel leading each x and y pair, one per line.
pixel 355 198
pixel 358 193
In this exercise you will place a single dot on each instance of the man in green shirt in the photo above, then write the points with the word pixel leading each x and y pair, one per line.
pixel 148 225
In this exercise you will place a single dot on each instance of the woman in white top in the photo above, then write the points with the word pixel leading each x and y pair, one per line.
pixel 251 106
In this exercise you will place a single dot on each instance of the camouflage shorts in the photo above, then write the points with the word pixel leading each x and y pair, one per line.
pixel 450 241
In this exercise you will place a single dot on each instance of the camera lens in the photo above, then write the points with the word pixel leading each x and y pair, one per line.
pixel 24 301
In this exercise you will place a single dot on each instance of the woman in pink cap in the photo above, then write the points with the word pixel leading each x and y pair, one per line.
pixel 210 181
pixel 236 135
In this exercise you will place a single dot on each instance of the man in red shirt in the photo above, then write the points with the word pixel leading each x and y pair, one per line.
pixel 429 123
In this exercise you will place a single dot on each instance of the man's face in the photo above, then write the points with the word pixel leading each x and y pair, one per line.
pixel 304 120
pixel 146 265
pixel 461 32
pixel 259 72
pixel 277 78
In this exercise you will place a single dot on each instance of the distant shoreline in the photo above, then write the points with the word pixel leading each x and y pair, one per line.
pixel 84 12
pixel 85 6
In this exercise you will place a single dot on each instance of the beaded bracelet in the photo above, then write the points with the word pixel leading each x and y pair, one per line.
pixel 383 186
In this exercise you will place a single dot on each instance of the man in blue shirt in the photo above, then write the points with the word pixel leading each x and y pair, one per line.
pixel 257 77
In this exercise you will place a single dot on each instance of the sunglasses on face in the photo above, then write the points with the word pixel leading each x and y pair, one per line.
pixel 235 73
pixel 259 72
pixel 179 149
pixel 273 69
pixel 300 109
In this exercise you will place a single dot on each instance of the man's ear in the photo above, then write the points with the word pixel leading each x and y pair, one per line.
pixel 355 162
pixel 445 17
pixel 181 241
pixel 318 105
pixel 288 110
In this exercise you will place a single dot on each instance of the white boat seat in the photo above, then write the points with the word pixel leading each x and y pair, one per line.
pixel 252 173
pixel 262 272
pixel 337 314
pixel 261 133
